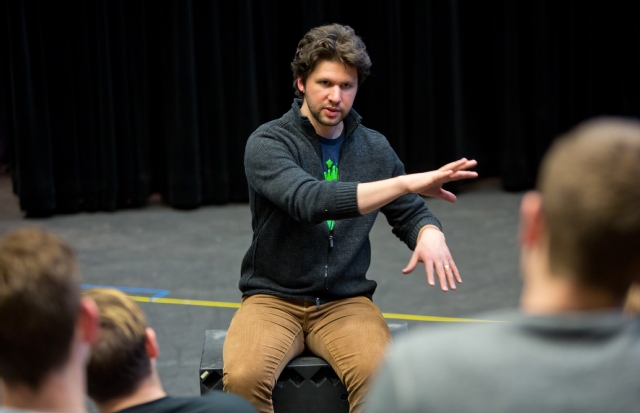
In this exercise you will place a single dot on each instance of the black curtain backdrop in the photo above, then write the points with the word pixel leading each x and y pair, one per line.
pixel 105 102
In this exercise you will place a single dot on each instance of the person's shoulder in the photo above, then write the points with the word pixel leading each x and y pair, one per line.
pixel 272 128
pixel 374 143
pixel 227 403
pixel 280 127
pixel 433 336
pixel 277 132
pixel 371 134
pixel 213 402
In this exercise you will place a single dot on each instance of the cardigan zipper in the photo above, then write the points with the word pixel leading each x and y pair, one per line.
pixel 326 268
pixel 326 265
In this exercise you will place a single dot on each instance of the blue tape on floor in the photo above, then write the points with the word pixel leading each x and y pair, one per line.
pixel 158 293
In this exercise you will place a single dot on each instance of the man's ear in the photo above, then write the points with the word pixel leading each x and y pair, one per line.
pixel 89 320
pixel 300 84
pixel 151 343
pixel 531 220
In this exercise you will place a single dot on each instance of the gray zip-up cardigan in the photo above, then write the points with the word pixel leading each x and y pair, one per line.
pixel 293 254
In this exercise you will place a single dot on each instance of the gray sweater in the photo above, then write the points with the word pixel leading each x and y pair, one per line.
pixel 585 362
pixel 293 254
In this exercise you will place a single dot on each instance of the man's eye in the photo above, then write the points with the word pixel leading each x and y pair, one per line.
pixel 347 86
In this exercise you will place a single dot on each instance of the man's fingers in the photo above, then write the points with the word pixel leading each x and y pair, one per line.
pixel 452 166
pixel 446 195
pixel 456 273
pixel 442 277
pixel 459 165
pixel 466 165
pixel 429 268
pixel 469 164
pixel 449 271
pixel 411 265
pixel 459 175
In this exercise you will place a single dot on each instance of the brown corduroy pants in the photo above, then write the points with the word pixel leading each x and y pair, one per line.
pixel 267 332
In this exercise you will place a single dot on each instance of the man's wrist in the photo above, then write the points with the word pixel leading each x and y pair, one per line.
pixel 428 226
pixel 411 183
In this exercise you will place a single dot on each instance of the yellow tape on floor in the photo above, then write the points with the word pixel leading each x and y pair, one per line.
pixel 411 317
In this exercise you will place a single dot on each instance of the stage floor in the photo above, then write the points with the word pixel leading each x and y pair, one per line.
pixel 175 256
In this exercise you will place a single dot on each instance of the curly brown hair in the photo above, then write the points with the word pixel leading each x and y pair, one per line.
pixel 333 42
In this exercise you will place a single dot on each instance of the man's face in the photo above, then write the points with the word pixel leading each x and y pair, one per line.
pixel 328 94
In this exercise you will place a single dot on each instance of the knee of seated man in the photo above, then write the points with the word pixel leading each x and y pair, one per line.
pixel 245 377
pixel 361 373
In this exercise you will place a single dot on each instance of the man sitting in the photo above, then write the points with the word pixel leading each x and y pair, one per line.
pixel 122 373
pixel 46 329
pixel 569 348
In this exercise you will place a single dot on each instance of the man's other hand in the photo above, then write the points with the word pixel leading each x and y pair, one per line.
pixel 432 250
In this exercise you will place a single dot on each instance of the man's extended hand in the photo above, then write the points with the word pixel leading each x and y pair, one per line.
pixel 430 183
pixel 432 250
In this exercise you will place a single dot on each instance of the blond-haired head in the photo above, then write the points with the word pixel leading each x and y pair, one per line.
pixel 590 185
pixel 119 360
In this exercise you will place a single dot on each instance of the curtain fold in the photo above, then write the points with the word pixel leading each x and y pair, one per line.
pixel 108 101
pixel 32 169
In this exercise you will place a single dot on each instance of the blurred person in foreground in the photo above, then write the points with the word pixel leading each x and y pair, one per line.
pixel 569 348
pixel 632 305
pixel 122 374
pixel 46 328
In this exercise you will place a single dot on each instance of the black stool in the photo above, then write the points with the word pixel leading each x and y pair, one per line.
pixel 307 383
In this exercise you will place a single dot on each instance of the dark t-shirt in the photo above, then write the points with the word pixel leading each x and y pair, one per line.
pixel 330 157
pixel 212 402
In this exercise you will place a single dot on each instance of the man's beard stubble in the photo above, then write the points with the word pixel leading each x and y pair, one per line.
pixel 317 115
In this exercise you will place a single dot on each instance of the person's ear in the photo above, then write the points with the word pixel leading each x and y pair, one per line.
pixel 531 220
pixel 89 320
pixel 151 343
pixel 300 84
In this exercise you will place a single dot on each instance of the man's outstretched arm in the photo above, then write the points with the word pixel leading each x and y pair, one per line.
pixel 375 195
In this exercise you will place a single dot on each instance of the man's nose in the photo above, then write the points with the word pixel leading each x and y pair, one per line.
pixel 335 94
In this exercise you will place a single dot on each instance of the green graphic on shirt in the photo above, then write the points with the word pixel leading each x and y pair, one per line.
pixel 331 175
pixel 332 171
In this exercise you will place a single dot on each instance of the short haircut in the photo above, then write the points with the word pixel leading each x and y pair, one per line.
pixel 590 185
pixel 39 305
pixel 632 304
pixel 333 42
pixel 119 359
